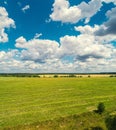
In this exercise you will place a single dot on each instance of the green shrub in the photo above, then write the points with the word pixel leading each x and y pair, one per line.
pixel 100 108
pixel 72 75
pixel 55 76
pixel 97 128
pixel 111 123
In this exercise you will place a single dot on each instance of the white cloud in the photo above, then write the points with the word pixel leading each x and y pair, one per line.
pixel 37 35
pixel 86 52
pixel 20 42
pixel 89 9
pixel 87 29
pixel 5 56
pixel 108 27
pixel 84 47
pixel 5 22
pixel 37 50
pixel 83 53
pixel 62 11
pixel 89 53
pixel 25 8
pixel 92 31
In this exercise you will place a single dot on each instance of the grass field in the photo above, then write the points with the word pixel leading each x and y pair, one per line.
pixel 25 101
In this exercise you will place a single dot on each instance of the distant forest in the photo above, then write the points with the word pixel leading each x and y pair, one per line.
pixel 54 74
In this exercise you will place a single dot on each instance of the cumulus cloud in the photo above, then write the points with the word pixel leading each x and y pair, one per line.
pixel 83 53
pixel 21 42
pixel 4 56
pixel 25 8
pixel 62 11
pixel 89 9
pixel 5 22
pixel 37 50
pixel 91 53
pixel 84 47
pixel 109 27
pixel 106 39
pixel 86 29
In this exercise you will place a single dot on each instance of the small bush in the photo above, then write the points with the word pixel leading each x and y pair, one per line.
pixel 72 75
pixel 100 108
pixel 55 76
pixel 111 123
pixel 97 128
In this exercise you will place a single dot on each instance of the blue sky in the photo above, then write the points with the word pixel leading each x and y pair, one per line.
pixel 57 36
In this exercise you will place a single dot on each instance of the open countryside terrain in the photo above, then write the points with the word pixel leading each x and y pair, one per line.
pixel 26 101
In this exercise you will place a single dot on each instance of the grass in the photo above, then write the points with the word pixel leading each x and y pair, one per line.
pixel 25 101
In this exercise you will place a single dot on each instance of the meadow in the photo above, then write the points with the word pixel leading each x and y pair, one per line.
pixel 26 101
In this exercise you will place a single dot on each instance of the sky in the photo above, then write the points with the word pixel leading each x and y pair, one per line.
pixel 57 36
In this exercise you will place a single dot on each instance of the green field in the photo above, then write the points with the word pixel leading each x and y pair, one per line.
pixel 25 101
